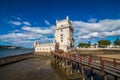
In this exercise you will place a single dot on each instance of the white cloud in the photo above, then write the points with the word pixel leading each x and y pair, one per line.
pixel 112 33
pixel 22 38
pixel 16 31
pixel 92 20
pixel 83 31
pixel 100 29
pixel 19 35
pixel 17 23
pixel 26 23
pixel 47 22
pixel 18 18
pixel 27 35
pixel 37 30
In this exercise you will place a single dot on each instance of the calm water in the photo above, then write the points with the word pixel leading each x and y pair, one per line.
pixel 11 52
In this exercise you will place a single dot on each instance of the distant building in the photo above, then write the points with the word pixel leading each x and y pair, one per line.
pixel 64 38
pixel 95 45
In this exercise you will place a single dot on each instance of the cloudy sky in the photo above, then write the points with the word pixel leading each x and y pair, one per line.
pixel 24 21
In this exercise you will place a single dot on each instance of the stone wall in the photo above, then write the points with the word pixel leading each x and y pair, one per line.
pixel 45 48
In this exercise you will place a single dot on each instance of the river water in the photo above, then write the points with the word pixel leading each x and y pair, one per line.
pixel 30 69
pixel 41 68
pixel 12 52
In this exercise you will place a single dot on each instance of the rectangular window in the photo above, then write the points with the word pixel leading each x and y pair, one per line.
pixel 61 35
pixel 61 40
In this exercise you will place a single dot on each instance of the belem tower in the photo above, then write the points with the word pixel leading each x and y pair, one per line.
pixel 64 38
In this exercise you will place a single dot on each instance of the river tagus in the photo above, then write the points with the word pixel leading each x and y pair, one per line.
pixel 12 52
pixel 40 68
pixel 30 69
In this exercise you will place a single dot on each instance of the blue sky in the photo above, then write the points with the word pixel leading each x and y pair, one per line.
pixel 23 21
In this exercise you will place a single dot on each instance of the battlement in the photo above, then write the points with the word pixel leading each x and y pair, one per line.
pixel 63 22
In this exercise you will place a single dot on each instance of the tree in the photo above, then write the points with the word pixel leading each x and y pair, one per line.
pixel 83 45
pixel 117 42
pixel 104 43
pixel 89 43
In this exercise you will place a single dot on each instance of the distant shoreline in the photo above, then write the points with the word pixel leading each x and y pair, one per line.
pixel 20 57
pixel 15 58
pixel 11 52
pixel 96 51
pixel 10 47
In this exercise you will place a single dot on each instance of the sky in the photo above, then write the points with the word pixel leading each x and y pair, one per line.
pixel 24 21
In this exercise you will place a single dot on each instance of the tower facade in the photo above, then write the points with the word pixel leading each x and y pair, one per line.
pixel 64 38
pixel 64 34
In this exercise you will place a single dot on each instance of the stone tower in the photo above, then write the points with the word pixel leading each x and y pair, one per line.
pixel 64 34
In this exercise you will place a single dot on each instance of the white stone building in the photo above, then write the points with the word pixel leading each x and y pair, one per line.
pixel 64 38
pixel 44 47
